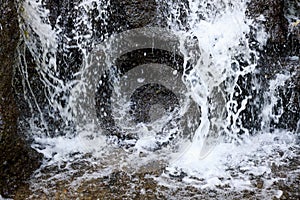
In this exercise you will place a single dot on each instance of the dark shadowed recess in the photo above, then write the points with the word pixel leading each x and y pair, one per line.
pixel 123 64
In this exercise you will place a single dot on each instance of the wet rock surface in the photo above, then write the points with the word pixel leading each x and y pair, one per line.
pixel 17 159
pixel 143 184
pixel 280 54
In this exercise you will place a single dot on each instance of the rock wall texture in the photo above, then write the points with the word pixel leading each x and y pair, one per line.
pixel 17 159
pixel 277 56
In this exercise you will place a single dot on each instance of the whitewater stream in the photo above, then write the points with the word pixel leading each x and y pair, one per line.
pixel 177 108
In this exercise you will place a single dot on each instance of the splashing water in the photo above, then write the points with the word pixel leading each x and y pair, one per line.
pixel 213 78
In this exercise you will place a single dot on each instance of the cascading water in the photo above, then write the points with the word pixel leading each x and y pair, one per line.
pixel 183 103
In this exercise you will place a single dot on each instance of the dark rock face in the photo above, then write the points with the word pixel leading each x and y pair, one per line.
pixel 283 43
pixel 275 22
pixel 17 159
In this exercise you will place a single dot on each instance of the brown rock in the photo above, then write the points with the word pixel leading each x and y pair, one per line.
pixel 17 159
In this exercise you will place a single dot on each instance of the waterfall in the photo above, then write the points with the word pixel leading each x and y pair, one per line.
pixel 181 87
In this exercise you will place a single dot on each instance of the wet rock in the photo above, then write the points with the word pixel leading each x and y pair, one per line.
pixel 134 13
pixel 17 159
pixel 280 55
pixel 259 183
pixel 281 27
pixel 274 22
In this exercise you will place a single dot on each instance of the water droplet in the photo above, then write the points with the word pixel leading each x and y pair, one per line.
pixel 140 80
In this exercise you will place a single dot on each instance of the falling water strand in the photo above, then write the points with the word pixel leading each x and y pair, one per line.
pixel 213 81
